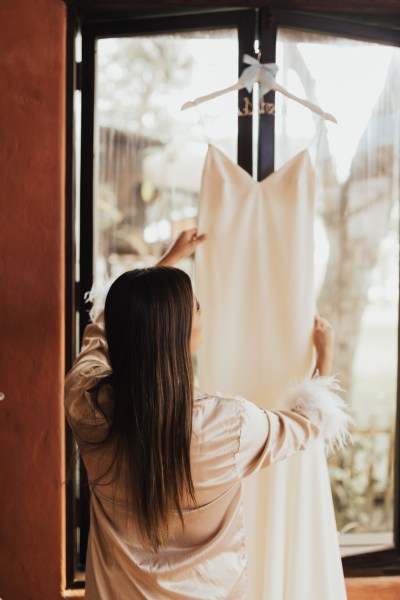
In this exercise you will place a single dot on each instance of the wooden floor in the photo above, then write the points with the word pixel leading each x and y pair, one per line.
pixel 363 588
pixel 374 588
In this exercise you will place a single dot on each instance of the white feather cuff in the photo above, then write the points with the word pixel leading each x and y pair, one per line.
pixel 318 400
pixel 97 297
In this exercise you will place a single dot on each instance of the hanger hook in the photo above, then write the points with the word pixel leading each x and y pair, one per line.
pixel 256 43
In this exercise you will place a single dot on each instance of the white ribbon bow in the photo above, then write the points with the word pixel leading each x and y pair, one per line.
pixel 264 73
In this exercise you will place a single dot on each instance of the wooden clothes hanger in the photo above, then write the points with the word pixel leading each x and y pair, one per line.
pixel 264 74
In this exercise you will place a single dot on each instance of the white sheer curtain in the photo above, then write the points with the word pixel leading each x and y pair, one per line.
pixel 356 244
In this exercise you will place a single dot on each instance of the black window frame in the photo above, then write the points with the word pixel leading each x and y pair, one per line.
pixel 247 22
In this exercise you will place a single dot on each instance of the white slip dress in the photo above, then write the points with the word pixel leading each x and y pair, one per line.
pixel 254 281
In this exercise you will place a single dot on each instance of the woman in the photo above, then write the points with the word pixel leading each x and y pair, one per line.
pixel 166 461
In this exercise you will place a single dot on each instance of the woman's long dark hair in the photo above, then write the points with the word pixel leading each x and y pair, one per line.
pixel 148 323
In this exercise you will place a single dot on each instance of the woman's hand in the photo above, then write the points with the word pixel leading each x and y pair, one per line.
pixel 184 245
pixel 324 341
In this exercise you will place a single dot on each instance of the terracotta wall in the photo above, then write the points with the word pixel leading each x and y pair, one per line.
pixel 32 75
pixel 32 90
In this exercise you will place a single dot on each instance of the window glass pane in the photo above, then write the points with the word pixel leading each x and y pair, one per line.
pixel 149 156
pixel 356 247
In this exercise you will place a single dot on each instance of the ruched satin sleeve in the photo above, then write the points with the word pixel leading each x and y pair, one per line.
pixel 93 357
pixel 269 436
pixel 88 408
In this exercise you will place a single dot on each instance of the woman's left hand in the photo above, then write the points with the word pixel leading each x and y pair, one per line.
pixel 324 341
pixel 184 245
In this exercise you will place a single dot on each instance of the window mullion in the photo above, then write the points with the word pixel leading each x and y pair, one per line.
pixel 266 133
pixel 246 31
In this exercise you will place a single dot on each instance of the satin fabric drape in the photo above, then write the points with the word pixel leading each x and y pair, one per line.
pixel 254 280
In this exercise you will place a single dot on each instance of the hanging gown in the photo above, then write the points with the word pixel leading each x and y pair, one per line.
pixel 254 281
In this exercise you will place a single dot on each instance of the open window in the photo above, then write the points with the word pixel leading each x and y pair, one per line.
pixel 141 162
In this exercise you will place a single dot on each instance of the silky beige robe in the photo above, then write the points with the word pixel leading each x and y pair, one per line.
pixel 254 281
pixel 232 438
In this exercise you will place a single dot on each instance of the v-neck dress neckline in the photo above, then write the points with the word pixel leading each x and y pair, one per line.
pixel 297 159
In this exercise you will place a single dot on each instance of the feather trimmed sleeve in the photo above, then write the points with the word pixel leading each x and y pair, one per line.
pixel 97 298
pixel 311 410
pixel 318 399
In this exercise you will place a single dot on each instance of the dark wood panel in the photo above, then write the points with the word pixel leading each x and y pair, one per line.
pixel 104 9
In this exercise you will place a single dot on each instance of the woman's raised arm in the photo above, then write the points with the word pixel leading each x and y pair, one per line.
pixel 184 245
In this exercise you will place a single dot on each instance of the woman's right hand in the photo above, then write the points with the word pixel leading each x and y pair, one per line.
pixel 184 245
pixel 324 341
